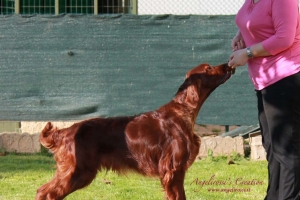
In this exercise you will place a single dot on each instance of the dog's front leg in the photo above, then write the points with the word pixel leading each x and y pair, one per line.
pixel 172 182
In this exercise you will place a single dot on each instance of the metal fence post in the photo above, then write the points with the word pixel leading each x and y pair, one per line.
pixel 134 9
pixel 95 7
pixel 56 7
pixel 17 6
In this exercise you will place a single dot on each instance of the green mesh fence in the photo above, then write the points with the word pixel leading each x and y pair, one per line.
pixel 75 6
pixel 7 7
pixel 71 67
pixel 37 7
pixel 47 7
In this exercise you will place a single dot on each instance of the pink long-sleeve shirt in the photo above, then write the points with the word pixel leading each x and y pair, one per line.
pixel 275 23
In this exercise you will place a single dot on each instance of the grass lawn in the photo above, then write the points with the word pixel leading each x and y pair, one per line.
pixel 208 179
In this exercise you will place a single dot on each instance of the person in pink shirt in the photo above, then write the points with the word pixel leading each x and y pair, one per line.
pixel 268 40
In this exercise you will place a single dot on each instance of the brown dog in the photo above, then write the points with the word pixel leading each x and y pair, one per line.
pixel 159 143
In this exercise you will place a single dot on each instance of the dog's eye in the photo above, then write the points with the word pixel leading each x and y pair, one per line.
pixel 209 68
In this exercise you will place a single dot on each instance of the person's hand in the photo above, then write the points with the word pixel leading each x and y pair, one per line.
pixel 237 43
pixel 238 58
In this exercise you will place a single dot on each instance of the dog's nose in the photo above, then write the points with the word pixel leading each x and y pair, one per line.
pixel 228 68
pixel 232 71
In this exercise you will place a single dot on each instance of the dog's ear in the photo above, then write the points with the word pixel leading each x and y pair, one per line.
pixel 181 93
pixel 192 95
pixel 188 93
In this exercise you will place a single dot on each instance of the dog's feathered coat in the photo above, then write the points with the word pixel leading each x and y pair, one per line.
pixel 158 143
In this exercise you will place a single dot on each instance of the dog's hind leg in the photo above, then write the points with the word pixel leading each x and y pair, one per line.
pixel 53 190
pixel 64 184
pixel 43 191
pixel 81 178
pixel 172 182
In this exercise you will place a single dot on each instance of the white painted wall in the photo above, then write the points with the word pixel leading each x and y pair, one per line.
pixel 186 7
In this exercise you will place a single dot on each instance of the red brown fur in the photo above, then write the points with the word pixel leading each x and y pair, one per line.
pixel 159 143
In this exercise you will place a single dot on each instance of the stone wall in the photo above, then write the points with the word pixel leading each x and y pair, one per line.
pixel 20 143
pixel 29 143
pixel 28 140
pixel 257 150
pixel 221 146
pixel 37 127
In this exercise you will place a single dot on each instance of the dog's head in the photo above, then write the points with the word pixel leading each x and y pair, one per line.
pixel 210 76
pixel 200 82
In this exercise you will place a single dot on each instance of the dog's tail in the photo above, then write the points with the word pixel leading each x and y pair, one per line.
pixel 50 137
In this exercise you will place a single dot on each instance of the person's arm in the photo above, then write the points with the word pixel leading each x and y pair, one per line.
pixel 237 42
pixel 285 15
pixel 285 19
pixel 240 57
pixel 258 50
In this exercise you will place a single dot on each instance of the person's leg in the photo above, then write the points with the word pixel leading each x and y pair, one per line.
pixel 273 164
pixel 281 103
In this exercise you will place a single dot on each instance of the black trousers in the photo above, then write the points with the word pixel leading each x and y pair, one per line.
pixel 279 118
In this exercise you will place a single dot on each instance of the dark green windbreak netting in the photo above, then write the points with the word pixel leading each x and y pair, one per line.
pixel 73 67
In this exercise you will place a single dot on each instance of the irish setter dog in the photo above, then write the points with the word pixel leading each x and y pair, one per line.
pixel 159 143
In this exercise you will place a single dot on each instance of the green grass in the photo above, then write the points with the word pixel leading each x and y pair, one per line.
pixel 21 175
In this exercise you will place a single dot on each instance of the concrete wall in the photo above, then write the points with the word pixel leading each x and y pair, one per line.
pixel 193 7
pixel 36 127
pixel 189 7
